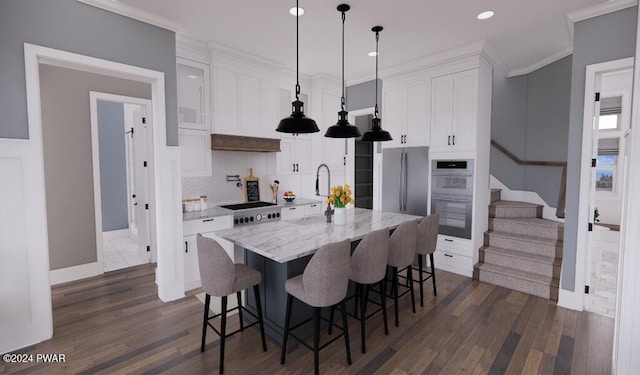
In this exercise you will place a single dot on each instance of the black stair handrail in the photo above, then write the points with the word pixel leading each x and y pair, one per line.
pixel 563 182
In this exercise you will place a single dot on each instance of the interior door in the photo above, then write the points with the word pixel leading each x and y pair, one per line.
pixel 141 181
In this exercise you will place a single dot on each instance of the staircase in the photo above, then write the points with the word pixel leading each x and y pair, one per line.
pixel 521 250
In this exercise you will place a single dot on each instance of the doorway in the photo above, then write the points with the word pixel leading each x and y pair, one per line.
pixel 360 160
pixel 605 135
pixel 121 127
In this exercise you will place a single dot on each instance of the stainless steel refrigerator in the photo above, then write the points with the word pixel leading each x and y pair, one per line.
pixel 405 180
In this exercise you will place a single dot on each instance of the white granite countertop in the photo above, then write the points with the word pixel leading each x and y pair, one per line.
pixel 211 212
pixel 283 241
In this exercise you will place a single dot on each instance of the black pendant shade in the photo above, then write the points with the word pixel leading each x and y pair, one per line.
pixel 376 134
pixel 342 129
pixel 297 122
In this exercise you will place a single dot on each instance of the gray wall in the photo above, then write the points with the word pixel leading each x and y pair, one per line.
pixel 75 27
pixel 113 166
pixel 363 95
pixel 605 38
pixel 530 117
pixel 66 133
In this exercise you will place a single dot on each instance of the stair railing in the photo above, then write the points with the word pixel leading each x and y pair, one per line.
pixel 563 182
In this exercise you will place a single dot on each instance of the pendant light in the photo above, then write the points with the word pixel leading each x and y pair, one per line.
pixel 342 129
pixel 376 134
pixel 297 122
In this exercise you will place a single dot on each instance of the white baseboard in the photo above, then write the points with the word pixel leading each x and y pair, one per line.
pixel 64 275
pixel 570 300
pixel 113 234
pixel 525 196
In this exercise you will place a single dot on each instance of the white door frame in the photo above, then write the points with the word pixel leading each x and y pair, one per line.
pixel 37 324
pixel 94 97
pixel 575 299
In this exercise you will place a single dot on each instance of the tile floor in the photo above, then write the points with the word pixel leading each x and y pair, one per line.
pixel 604 275
pixel 121 253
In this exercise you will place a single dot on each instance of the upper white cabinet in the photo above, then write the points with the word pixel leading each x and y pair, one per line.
pixel 405 112
pixel 295 149
pixel 195 152
pixel 454 111
pixel 245 97
pixel 193 95
pixel 194 115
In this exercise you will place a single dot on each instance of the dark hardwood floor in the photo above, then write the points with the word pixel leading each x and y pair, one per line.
pixel 115 324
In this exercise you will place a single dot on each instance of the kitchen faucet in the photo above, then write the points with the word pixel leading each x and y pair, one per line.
pixel 328 211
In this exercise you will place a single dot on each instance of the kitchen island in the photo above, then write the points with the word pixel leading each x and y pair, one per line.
pixel 282 249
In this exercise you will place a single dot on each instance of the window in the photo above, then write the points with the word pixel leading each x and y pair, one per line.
pixel 608 122
pixel 606 164
pixel 610 109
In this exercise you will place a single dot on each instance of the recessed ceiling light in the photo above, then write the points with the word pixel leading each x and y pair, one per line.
pixel 192 76
pixel 372 54
pixel 293 11
pixel 485 15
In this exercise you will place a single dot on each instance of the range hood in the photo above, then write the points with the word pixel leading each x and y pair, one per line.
pixel 229 142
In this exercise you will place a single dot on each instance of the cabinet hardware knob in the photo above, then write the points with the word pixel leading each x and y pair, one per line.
pixel 447 255
pixel 454 140
pixel 448 240
pixel 206 220
pixel 186 246
pixel 449 141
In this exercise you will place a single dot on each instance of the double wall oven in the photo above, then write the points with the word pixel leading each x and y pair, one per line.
pixel 452 196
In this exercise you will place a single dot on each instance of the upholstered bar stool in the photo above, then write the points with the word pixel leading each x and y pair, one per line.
pixel 427 239
pixel 323 283
pixel 220 278
pixel 402 250
pixel 368 267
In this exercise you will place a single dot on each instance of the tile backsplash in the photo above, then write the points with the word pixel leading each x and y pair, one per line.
pixel 216 187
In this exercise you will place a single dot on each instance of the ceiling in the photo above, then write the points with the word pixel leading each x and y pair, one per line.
pixel 523 32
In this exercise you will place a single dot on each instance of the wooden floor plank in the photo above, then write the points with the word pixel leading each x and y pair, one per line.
pixel 115 323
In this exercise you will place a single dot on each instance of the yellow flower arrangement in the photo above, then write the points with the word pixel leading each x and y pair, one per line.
pixel 340 196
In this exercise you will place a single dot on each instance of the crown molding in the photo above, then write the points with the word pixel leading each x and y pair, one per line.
pixel 539 64
pixel 244 56
pixel 597 10
pixel 133 12
pixel 192 49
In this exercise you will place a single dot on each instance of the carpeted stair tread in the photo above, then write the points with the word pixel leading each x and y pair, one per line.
pixel 529 221
pixel 520 254
pixel 522 237
pixel 518 274
pixel 515 204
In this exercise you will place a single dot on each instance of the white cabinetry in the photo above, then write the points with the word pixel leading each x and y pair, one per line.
pixel 295 156
pixel 300 211
pixel 207 227
pixel 454 255
pixel 405 111
pixel 195 152
pixel 454 102
pixel 245 97
pixel 194 118
pixel 193 94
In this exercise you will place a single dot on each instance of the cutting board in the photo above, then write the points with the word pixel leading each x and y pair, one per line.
pixel 252 187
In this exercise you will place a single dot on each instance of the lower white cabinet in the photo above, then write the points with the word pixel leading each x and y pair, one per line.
pixel 455 255
pixel 207 227
pixel 300 211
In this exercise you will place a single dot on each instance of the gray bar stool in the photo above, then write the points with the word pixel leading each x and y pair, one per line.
pixel 402 250
pixel 323 283
pixel 220 278
pixel 426 244
pixel 368 267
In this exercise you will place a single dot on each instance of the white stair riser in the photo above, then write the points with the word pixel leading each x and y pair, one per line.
pixel 543 231
pixel 524 246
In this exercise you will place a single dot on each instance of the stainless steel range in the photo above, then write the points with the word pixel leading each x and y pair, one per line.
pixel 253 212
